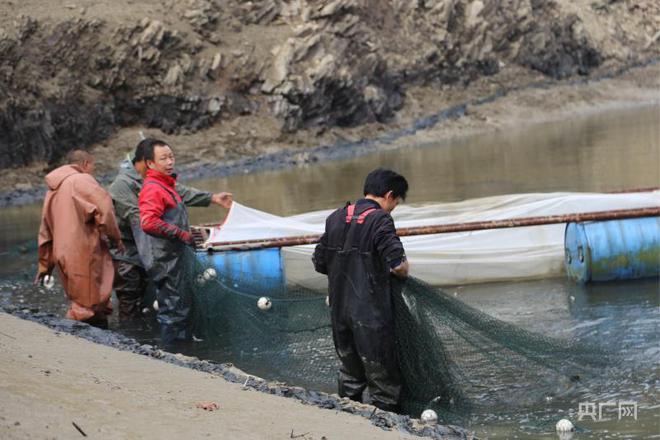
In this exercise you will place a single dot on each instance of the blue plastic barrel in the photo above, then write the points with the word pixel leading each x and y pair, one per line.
pixel 248 271
pixel 613 250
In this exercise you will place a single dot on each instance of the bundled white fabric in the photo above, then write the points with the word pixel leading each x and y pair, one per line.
pixel 244 223
pixel 453 258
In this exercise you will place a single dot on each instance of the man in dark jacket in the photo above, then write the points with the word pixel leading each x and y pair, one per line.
pixel 362 256
pixel 130 276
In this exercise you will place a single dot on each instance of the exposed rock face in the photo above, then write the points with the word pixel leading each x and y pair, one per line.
pixel 329 74
pixel 83 89
pixel 312 63
pixel 558 49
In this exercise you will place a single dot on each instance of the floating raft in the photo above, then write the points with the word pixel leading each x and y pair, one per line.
pixel 489 239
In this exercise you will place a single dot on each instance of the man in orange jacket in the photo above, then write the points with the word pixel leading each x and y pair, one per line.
pixel 77 222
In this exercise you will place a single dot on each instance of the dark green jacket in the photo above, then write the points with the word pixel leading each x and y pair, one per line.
pixel 124 191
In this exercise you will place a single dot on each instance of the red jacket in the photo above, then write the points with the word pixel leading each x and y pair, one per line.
pixel 154 200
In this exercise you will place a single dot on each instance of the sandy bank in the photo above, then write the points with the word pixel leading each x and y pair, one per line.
pixel 50 379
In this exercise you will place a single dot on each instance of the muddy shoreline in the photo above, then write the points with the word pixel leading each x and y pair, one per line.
pixel 381 419
pixel 470 117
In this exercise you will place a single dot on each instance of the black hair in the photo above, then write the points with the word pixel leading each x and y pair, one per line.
pixel 145 149
pixel 380 181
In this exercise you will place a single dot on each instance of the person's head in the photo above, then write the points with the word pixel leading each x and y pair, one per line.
pixel 387 187
pixel 153 154
pixel 83 159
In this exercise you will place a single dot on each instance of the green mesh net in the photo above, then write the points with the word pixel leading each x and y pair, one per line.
pixel 454 358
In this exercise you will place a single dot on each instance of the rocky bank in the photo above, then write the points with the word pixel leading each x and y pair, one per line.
pixel 231 78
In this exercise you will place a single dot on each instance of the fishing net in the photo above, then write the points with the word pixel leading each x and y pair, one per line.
pixel 453 358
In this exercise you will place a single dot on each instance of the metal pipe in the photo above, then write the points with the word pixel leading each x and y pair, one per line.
pixel 453 227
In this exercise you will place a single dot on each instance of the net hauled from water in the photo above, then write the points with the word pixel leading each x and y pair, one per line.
pixel 453 357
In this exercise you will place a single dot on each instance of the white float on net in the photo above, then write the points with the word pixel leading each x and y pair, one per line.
pixel 264 303
pixel 429 416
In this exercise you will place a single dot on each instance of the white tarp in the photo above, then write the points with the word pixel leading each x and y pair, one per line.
pixel 453 258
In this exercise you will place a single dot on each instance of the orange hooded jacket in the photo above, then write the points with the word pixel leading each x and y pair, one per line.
pixel 76 217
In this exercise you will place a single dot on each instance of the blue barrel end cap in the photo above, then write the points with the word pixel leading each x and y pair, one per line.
pixel 576 253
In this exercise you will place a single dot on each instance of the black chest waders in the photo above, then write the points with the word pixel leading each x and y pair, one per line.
pixel 362 313
pixel 166 261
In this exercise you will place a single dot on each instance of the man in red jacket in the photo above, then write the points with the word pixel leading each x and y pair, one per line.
pixel 163 216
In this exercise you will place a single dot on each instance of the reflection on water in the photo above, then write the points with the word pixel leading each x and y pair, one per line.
pixel 604 153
